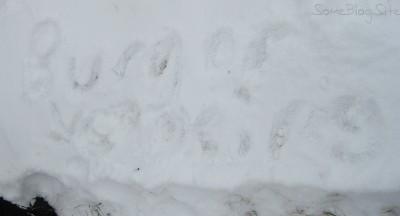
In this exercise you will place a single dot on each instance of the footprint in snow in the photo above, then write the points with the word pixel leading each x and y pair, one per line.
pixel 44 42
pixel 86 73
pixel 244 144
pixel 257 51
pixel 207 143
pixel 165 55
pixel 103 129
pixel 355 127
pixel 281 128
pixel 163 77
pixel 390 211
pixel 243 94
pixel 241 206
pixel 359 120
pixel 123 61
pixel 219 48
pixel 37 82
pixel 166 132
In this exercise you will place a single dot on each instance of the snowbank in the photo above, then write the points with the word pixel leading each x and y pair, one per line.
pixel 107 197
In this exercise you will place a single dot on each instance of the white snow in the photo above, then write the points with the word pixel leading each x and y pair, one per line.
pixel 229 107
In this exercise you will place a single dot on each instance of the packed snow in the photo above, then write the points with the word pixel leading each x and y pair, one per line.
pixel 229 107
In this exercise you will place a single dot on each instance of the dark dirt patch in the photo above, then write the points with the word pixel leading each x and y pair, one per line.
pixel 40 208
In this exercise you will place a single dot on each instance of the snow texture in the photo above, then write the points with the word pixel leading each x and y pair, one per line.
pixel 259 107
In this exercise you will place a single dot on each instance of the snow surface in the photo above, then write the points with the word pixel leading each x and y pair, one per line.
pixel 229 107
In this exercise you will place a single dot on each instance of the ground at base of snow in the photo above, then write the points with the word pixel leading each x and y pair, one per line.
pixel 109 198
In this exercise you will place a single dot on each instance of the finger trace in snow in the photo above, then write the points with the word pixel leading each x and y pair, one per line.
pixel 121 66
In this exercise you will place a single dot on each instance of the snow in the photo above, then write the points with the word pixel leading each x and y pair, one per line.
pixel 200 107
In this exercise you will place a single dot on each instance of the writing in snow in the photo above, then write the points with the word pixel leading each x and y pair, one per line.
pixel 354 9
